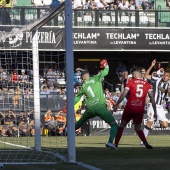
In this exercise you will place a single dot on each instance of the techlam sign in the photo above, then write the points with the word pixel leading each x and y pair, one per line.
pixel 88 39
pixel 116 39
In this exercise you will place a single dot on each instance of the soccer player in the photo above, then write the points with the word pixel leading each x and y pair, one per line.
pixel 95 101
pixel 161 88
pixel 134 109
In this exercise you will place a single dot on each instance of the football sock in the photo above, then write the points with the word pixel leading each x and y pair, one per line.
pixel 141 136
pixel 113 132
pixel 119 135
pixel 78 124
pixel 146 131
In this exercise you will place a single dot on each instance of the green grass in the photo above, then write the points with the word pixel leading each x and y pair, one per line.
pixel 91 150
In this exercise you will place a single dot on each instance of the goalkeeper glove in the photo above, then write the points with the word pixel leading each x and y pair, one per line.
pixel 103 63
pixel 102 67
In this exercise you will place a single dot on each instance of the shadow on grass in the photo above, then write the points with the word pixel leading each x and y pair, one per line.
pixel 138 158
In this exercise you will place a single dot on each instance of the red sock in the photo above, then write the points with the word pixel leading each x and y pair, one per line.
pixel 118 136
pixel 141 136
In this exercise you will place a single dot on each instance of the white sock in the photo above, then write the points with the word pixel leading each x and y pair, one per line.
pixel 146 131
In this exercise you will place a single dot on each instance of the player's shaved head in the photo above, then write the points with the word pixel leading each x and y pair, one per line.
pixel 137 72
pixel 85 75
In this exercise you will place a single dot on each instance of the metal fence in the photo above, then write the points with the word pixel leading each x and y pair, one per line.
pixel 52 101
pixel 89 18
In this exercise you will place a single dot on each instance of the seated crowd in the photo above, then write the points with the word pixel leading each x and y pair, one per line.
pixel 113 5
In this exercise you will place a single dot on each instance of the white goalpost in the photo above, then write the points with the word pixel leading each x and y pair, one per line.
pixel 69 79
pixel 38 149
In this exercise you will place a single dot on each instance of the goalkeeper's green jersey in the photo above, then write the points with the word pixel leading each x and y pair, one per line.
pixel 93 90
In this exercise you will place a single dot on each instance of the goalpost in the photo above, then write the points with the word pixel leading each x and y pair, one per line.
pixel 39 149
pixel 69 75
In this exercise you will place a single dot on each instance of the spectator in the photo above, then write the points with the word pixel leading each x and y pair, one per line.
pixel 61 123
pixel 27 94
pixel 44 93
pixel 51 88
pixel 116 98
pixel 2 73
pixel 123 6
pixel 50 124
pixel 14 3
pixel 23 124
pixel 76 89
pixel 154 74
pixel 168 4
pixel 86 5
pixel 93 4
pixel 43 84
pixel 109 2
pixel 143 71
pixel 77 76
pixel 107 94
pixel 2 116
pixel 56 69
pixel 6 6
pixel 45 70
pixel 111 6
pixel 17 96
pixel 2 129
pixel 160 72
pixel 109 102
pixel 102 4
pixel 5 91
pixel 63 93
pixel 31 123
pixel 23 77
pixel 147 5
pixel 120 69
pixel 37 3
pixel 125 78
pixel 49 2
pixel 76 4
pixel 157 66
pixel 10 121
pixel 14 77
pixel 131 7
pixel 3 81
pixel 51 76
pixel 138 4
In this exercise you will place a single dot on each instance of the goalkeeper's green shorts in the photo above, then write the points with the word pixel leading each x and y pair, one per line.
pixel 98 110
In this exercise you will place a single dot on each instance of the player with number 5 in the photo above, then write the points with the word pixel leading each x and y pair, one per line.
pixel 95 101
pixel 134 109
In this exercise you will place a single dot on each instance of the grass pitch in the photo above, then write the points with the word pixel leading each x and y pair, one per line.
pixel 91 150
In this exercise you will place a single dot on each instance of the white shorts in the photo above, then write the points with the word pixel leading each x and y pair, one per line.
pixel 160 113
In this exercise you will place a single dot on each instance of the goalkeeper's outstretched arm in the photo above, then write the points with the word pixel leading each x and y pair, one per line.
pixel 104 65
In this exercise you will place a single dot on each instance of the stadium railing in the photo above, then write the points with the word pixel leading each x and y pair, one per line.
pixel 52 101
pixel 85 17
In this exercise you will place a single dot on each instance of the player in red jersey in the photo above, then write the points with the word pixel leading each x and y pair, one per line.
pixel 134 109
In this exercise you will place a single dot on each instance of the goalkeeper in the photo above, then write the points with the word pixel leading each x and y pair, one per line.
pixel 95 101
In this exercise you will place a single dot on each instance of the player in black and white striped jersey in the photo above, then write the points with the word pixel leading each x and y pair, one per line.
pixel 161 88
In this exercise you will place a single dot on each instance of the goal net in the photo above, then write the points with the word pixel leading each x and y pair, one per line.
pixel 33 106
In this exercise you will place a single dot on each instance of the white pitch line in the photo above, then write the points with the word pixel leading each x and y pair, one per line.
pixel 87 166
pixel 21 146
